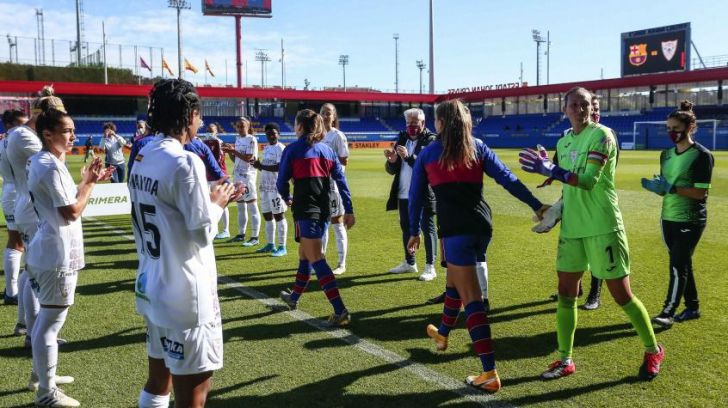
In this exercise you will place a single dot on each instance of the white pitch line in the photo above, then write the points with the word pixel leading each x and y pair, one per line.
pixel 419 370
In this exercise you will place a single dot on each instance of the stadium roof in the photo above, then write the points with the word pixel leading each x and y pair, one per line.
pixel 81 88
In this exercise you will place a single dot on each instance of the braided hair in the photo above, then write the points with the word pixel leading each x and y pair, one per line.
pixel 171 104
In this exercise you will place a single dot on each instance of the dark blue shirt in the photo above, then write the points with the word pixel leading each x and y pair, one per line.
pixel 461 208
pixel 312 168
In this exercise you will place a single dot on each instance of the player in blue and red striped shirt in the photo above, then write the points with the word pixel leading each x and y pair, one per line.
pixel 313 166
pixel 454 165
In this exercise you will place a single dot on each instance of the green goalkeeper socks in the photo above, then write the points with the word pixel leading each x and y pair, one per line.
pixel 566 326
pixel 641 322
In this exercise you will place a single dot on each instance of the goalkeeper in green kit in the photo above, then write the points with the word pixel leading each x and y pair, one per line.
pixel 592 232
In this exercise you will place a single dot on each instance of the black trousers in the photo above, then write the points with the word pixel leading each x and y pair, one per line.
pixel 681 238
pixel 427 224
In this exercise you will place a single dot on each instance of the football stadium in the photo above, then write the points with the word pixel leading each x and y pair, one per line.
pixel 167 201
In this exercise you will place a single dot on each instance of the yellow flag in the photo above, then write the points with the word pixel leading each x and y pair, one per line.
pixel 207 67
pixel 190 67
pixel 166 66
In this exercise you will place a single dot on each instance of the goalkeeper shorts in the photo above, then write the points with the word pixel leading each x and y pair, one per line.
pixel 606 255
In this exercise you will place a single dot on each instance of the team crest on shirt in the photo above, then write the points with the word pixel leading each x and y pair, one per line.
pixel 637 54
pixel 574 154
pixel 138 157
pixel 669 48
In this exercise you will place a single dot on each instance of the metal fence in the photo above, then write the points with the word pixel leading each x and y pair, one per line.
pixel 63 53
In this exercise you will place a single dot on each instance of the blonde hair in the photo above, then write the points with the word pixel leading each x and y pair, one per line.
pixel 47 100
pixel 456 135
pixel 312 125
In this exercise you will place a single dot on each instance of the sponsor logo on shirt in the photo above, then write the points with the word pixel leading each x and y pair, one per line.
pixel 173 349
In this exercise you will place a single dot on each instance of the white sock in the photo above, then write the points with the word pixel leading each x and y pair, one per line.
pixel 32 306
pixel 11 265
pixel 21 305
pixel 45 344
pixel 325 241
pixel 242 219
pixel 481 270
pixel 149 400
pixel 225 220
pixel 342 242
pixel 254 218
pixel 270 230
pixel 282 226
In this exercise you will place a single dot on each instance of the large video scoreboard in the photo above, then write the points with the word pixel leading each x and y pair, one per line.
pixel 247 8
pixel 660 49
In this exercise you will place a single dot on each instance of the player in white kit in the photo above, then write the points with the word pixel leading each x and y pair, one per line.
pixel 243 154
pixel 55 254
pixel 271 204
pixel 22 144
pixel 14 248
pixel 174 214
pixel 336 140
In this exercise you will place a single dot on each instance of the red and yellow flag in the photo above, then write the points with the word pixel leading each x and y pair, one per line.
pixel 190 67
pixel 165 65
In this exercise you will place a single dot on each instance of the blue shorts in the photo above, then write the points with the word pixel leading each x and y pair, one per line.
pixel 311 229
pixel 463 250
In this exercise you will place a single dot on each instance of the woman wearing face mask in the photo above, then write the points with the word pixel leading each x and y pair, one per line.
pixel 684 180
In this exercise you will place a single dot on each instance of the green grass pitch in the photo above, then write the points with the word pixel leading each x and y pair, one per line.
pixel 273 359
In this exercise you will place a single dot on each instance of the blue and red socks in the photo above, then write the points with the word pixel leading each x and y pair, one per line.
pixel 302 277
pixel 327 281
pixel 479 328
pixel 450 311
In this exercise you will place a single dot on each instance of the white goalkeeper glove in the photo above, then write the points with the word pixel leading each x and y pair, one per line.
pixel 551 217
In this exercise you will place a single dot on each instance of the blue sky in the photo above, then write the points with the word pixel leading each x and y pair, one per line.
pixel 478 42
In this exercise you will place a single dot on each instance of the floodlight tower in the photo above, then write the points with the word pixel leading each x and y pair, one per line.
pixel 421 65
pixel 179 5
pixel 396 62
pixel 344 61
pixel 263 57
pixel 538 38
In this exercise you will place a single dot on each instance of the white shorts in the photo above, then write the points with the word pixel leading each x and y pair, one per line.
pixel 271 202
pixel 191 351
pixel 54 288
pixel 251 191
pixel 27 232
pixel 8 205
pixel 337 206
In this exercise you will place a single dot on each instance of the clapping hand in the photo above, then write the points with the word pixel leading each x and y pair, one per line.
pixel 658 185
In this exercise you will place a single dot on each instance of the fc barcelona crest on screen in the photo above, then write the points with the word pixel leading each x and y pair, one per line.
pixel 669 48
pixel 637 54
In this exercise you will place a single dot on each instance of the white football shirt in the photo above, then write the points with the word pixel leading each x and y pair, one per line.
pixel 58 243
pixel 245 145
pixel 271 156
pixel 173 218
pixel 336 140
pixel 22 144
pixel 5 170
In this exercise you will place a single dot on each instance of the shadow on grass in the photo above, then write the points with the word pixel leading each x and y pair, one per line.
pixel 563 393
pixel 117 339
pixel 332 392
pixel 105 288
